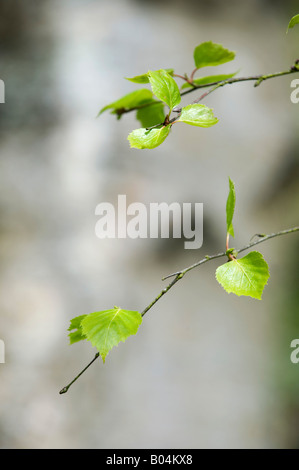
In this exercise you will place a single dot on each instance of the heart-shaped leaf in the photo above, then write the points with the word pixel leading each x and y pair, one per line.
pixel 148 138
pixel 198 115
pixel 208 53
pixel 107 328
pixel 244 276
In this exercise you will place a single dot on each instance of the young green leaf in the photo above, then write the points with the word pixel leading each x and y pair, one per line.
pixel 165 88
pixel 151 115
pixel 107 328
pixel 293 22
pixel 230 208
pixel 144 77
pixel 148 139
pixel 131 101
pixel 206 80
pixel 208 53
pixel 198 115
pixel 75 324
pixel 244 276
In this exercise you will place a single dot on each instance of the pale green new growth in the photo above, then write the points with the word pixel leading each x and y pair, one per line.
pixel 165 88
pixel 210 79
pixel 230 208
pixel 198 115
pixel 293 22
pixel 245 276
pixel 129 101
pixel 107 328
pixel 148 139
pixel 144 77
pixel 151 115
pixel 75 324
pixel 208 53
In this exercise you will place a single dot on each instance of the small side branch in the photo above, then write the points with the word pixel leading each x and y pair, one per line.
pixel 258 79
pixel 261 239
pixel 65 389
pixel 180 274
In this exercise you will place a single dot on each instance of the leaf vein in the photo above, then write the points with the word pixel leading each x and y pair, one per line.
pixel 116 313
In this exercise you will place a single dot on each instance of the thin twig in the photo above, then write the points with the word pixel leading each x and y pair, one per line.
pixel 65 389
pixel 258 79
pixel 180 274
pixel 224 253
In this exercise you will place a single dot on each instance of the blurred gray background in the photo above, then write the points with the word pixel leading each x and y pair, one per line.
pixel 207 369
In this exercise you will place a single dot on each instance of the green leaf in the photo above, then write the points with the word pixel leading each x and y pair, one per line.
pixel 107 328
pixel 207 80
pixel 230 208
pixel 151 115
pixel 165 88
pixel 144 77
pixel 75 324
pixel 198 115
pixel 130 101
pixel 244 276
pixel 293 22
pixel 148 139
pixel 208 53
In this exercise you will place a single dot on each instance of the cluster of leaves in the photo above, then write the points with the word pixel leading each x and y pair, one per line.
pixel 150 104
pixel 245 276
pixel 156 123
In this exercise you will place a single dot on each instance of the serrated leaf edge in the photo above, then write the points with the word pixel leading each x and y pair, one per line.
pixel 105 353
pixel 240 295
